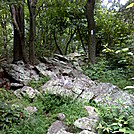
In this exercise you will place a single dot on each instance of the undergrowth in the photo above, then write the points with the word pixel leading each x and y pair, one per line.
pixel 16 120
pixel 103 72
pixel 115 119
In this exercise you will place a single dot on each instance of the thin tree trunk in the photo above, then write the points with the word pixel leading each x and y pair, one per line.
pixel 91 30
pixel 72 34
pixel 3 24
pixel 57 46
pixel 83 46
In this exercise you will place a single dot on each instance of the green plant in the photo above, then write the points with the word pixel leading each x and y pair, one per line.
pixel 104 72
pixel 9 114
pixel 48 106
pixel 37 84
pixel 116 119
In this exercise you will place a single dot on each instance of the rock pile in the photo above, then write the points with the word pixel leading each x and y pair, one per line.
pixel 66 79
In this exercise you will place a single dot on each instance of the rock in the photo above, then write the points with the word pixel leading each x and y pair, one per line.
pixel 91 112
pixel 67 72
pixel 86 123
pixel 61 116
pixel 16 85
pixel 56 126
pixel 20 63
pixel 87 132
pixel 31 109
pixel 41 68
pixel 72 56
pixel 60 57
pixel 20 73
pixel 63 131
pixel 108 93
pixel 45 60
pixel 26 91
pixel 51 74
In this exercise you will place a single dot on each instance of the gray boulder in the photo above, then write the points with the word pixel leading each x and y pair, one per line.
pixel 56 127
pixel 26 92
pixel 20 72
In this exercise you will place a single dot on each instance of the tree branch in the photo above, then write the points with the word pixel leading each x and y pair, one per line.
pixel 29 6
pixel 39 9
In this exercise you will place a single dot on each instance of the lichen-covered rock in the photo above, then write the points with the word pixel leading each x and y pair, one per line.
pixel 86 123
pixel 20 72
pixel 16 85
pixel 26 92
pixel 87 132
pixel 91 112
pixel 60 57
pixel 30 109
pixel 56 127
pixel 41 68
pixel 63 131
pixel 108 93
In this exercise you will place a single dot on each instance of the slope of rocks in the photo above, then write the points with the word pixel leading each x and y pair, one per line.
pixel 66 79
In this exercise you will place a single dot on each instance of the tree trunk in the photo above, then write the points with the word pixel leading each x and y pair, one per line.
pixel 32 31
pixel 91 30
pixel 72 34
pixel 57 46
pixel 83 46
pixel 19 52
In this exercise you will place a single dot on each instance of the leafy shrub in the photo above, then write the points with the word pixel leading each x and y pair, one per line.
pixel 116 119
pixel 9 114
pixel 104 72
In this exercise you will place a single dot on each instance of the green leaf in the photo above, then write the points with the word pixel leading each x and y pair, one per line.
pixel 130 5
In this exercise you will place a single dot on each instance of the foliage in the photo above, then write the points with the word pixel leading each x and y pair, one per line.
pixel 114 30
pixel 105 72
pixel 9 114
pixel 48 108
pixel 116 119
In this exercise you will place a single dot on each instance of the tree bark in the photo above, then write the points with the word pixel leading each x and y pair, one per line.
pixel 91 30
pixel 32 31
pixel 19 52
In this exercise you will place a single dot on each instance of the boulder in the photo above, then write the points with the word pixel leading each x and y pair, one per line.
pixel 41 68
pixel 26 92
pixel 56 127
pixel 20 73
pixel 63 131
pixel 16 85
pixel 87 132
pixel 108 93
pixel 61 57
pixel 86 123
